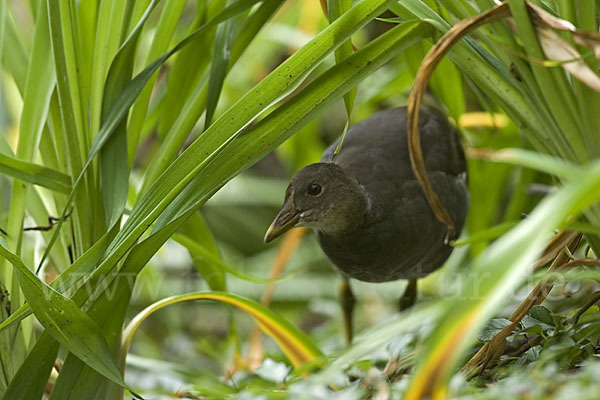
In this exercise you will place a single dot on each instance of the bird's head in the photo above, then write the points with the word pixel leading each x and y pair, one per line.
pixel 321 196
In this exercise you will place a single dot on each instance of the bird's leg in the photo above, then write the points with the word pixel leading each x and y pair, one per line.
pixel 347 301
pixel 410 295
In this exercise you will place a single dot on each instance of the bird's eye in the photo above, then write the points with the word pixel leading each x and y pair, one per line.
pixel 314 189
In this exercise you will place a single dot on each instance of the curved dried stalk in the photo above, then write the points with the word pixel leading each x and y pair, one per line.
pixel 431 60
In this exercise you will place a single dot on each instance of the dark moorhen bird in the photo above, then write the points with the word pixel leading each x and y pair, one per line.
pixel 367 209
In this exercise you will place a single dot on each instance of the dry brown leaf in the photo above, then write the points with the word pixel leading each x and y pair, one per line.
pixel 585 38
pixel 558 49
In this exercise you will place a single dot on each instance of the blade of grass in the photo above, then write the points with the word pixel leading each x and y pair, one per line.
pixel 76 379
pixel 160 42
pixel 14 56
pixel 335 8
pixel 109 29
pixel 195 228
pixel 219 66
pixel 486 235
pixel 2 25
pixel 35 174
pixel 75 139
pixel 531 159
pixel 114 163
pixel 38 89
pixel 88 21
pixel 135 13
pixel 188 68
pixel 68 279
pixel 32 377
pixel 297 346
pixel 551 82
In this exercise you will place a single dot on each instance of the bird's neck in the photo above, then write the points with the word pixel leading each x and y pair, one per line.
pixel 352 214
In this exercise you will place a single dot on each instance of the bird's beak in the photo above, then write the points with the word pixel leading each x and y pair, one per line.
pixel 284 221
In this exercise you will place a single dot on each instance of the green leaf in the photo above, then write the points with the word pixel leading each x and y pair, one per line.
pixel 14 56
pixel 335 9
pixel 219 66
pixel 163 34
pixel 542 314
pixel 40 84
pixel 109 30
pixel 296 345
pixel 78 380
pixel 64 320
pixel 31 379
pixel 542 162
pixel 197 231
pixel 486 235
pixel 38 90
pixel 72 117
pixel 215 265
pixel 187 72
pixel 35 174
pixel 493 328
pixel 114 163
pixel 88 24
pixel 69 278
pixel 2 25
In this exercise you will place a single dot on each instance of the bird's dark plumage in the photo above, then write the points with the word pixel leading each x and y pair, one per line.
pixel 368 211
